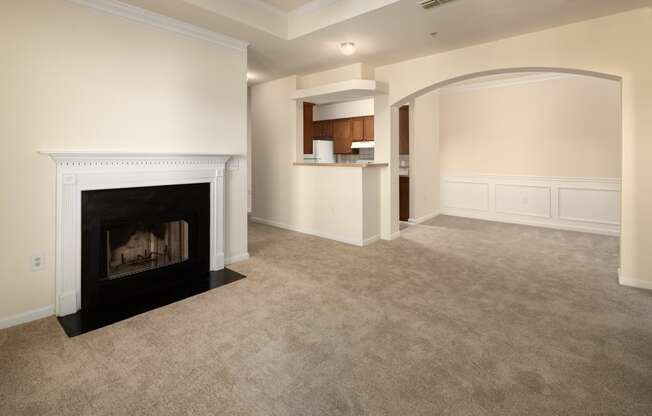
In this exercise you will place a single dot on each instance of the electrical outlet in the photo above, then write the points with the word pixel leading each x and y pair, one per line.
pixel 37 262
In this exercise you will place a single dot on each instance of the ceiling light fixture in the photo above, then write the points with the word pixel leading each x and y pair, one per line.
pixel 347 48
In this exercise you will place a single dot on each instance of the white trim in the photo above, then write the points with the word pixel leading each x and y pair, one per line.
pixel 310 7
pixel 532 178
pixel 548 213
pixel 532 223
pixel 639 284
pixel 575 188
pixel 505 82
pixel 394 236
pixel 79 171
pixel 513 199
pixel 236 258
pixel 423 218
pixel 159 21
pixel 371 240
pixel 320 234
pixel 269 7
pixel 25 317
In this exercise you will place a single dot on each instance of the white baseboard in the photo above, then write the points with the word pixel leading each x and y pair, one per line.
pixel 236 258
pixel 29 316
pixel 508 220
pixel 640 284
pixel 424 218
pixel 371 240
pixel 308 231
pixel 395 235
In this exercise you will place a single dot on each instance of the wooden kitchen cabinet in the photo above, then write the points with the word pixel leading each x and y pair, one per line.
pixel 357 129
pixel 404 130
pixel 342 135
pixel 326 128
pixel 323 128
pixel 404 198
pixel 308 127
pixel 368 128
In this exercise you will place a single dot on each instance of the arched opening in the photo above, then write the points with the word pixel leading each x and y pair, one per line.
pixel 460 78
pixel 577 201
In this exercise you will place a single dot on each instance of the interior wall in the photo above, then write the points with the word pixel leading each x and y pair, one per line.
pixel 424 157
pixel 566 126
pixel 76 79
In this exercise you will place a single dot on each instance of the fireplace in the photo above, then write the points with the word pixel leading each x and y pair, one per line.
pixel 143 241
pixel 111 253
pixel 138 247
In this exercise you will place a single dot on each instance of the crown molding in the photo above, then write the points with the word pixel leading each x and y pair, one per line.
pixel 159 21
pixel 269 7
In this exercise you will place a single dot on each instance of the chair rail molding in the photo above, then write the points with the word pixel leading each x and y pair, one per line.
pixel 79 171
pixel 569 203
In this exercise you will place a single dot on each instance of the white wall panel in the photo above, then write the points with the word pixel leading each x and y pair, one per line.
pixel 589 205
pixel 570 203
pixel 526 200
pixel 467 195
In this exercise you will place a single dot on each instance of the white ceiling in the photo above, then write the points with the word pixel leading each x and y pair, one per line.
pixel 286 5
pixel 385 31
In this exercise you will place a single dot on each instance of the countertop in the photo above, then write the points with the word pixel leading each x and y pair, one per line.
pixel 343 165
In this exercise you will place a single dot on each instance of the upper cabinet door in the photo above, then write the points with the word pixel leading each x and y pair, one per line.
pixel 342 136
pixel 369 128
pixel 404 130
pixel 307 128
pixel 317 128
pixel 357 128
pixel 327 128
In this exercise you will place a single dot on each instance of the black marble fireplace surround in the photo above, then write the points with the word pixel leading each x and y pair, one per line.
pixel 142 248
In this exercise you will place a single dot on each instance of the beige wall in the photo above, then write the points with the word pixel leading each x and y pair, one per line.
pixel 557 127
pixel 617 45
pixel 424 156
pixel 75 79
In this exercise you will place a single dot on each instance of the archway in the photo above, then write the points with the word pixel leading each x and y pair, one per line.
pixel 410 99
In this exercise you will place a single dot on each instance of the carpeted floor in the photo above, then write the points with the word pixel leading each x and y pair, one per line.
pixel 457 317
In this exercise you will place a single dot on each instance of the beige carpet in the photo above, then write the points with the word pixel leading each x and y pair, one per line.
pixel 458 317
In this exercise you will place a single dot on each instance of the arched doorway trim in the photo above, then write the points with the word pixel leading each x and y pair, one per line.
pixel 436 86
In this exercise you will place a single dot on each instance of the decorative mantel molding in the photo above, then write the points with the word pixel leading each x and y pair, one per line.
pixel 79 171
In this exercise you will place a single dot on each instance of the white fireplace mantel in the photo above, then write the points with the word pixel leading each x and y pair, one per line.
pixel 79 171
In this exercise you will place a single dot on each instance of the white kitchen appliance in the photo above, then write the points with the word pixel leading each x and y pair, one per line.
pixel 322 152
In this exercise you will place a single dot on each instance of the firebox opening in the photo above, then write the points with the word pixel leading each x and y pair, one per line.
pixel 136 248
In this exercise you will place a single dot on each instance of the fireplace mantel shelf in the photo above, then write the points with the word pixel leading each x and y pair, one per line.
pixel 94 157
pixel 117 154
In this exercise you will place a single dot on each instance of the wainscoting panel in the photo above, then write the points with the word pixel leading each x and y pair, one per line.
pixel 465 194
pixel 589 205
pixel 568 203
pixel 528 200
